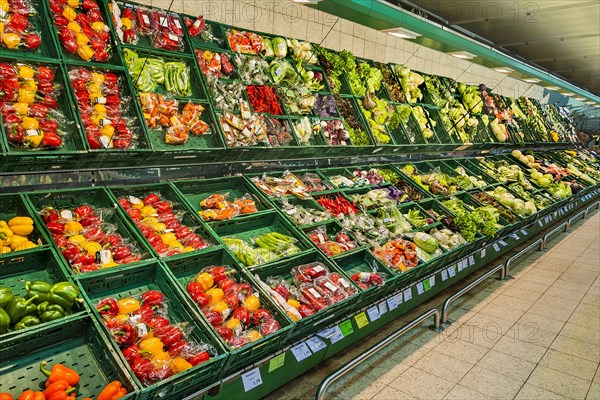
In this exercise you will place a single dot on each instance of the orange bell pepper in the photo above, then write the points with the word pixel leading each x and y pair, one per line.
pixel 31 395
pixel 59 390
pixel 60 372
pixel 112 391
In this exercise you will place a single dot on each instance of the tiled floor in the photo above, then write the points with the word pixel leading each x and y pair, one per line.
pixel 533 337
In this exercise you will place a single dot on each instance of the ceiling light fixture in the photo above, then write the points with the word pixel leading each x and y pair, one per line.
pixel 569 94
pixel 579 98
pixel 552 87
pixel 504 70
pixel 531 80
pixel 462 55
pixel 307 1
pixel 402 33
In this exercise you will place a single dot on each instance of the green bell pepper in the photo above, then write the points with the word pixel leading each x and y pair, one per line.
pixel 40 289
pixel 51 315
pixel 64 294
pixel 4 321
pixel 20 308
pixel 6 295
pixel 46 306
pixel 27 322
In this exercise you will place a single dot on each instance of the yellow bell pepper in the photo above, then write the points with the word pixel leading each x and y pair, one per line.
pixel 100 109
pixel 148 211
pixel 187 249
pixel 34 140
pixel 6 236
pixel 128 305
pixel 29 123
pixel 110 264
pixel 152 345
pixel 26 72
pixel 23 229
pixel 108 131
pixel 294 303
pixel 29 84
pixel 252 303
pixel 180 365
pixel 73 3
pixel 206 280
pixel 168 238
pixel 233 323
pixel 98 77
pixel 85 52
pixel 98 26
pixel 74 27
pixel 21 108
pixel 162 360
pixel 11 40
pixel 176 245
pixel 4 5
pixel 123 318
pixel 158 227
pixel 5 249
pixel 69 13
pixel 126 22
pixel 26 96
pixel 1 28
pixel 17 241
pixel 73 227
pixel 3 224
pixel 82 39
pixel 216 295
pixel 94 90
pixel 93 247
pixel 78 239
pixel 25 246
pixel 253 335
pixel 20 221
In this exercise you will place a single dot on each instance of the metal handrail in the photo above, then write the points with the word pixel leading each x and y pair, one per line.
pixel 574 217
pixel 564 225
pixel 375 348
pixel 445 320
pixel 538 242
pixel 596 204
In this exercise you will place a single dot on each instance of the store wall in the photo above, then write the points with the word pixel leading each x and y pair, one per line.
pixel 284 17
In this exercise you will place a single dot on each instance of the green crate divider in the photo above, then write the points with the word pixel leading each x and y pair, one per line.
pixel 305 327
pixel 184 270
pixel 40 265
pixel 307 204
pixel 256 225
pixel 115 57
pixel 195 191
pixel 198 89
pixel 105 157
pixel 332 228
pixel 48 49
pixel 72 141
pixel 135 281
pixel 167 191
pixel 15 205
pixel 365 261
pixel 97 198
pixel 77 343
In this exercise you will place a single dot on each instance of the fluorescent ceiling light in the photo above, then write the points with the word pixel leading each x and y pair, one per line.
pixel 463 55
pixel 590 102
pixel 402 33
pixel 307 1
pixel 531 80
pixel 504 70
pixel 552 87
pixel 568 94
pixel 579 98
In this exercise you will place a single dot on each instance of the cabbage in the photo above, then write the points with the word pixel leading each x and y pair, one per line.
pixel 268 48
pixel 279 46
pixel 426 242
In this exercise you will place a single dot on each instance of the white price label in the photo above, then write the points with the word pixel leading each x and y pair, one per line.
pixel 408 294
pixel 373 313
pixel 432 281
pixel 540 223
pixel 524 232
pixel 420 288
pixel 142 329
pixel 444 275
pixel 315 344
pixel 394 301
pixel 162 21
pixel 301 351
pixel 146 19
pixel 451 272
pixel 177 23
pixel 251 379
pixel 515 236
pixel 471 260
pixel 105 257
pixel 66 214
pixel 32 132
pixel 502 242
pixel 337 334
pixel 483 252
pixel 459 265
pixel 496 247
pixel 383 308
pixel 326 333
pixel 134 200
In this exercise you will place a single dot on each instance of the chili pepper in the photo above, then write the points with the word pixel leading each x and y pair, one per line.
pixel 60 372
pixel 108 307
pixel 124 335
pixel 6 296
pixel 31 395
pixel 64 294
pixel 4 321
pixel 19 308
pixel 169 335
pixel 38 289
pixel 196 27
pixel 58 390
pixel 112 391
pixel 27 322
pixel 264 99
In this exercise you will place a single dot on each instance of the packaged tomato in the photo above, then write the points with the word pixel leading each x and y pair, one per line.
pixel 314 296
pixel 342 283
pixel 309 272
pixel 332 290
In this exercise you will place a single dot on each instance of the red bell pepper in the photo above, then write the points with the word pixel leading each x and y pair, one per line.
pixel 152 298
pixel 56 227
pixel 199 358
pixel 32 41
pixel 108 307
pixel 169 334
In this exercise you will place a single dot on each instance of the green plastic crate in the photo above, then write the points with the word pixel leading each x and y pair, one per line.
pixel 77 343
pixel 58 158
pixel 332 228
pixel 169 193
pixel 135 281
pixel 40 265
pixel 194 191
pixel 256 225
pixel 184 270
pixel 97 198
pixel 313 323
pixel 307 204
pixel 14 205
pixel 48 48
pixel 219 44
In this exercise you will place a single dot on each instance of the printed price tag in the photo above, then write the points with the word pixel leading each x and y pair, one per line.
pixel 346 327
pixel 337 334
pixel 394 301
pixel 426 285
pixel 276 362
pixel 515 236
pixel 451 272
pixel 373 313
pixel 502 242
pixel 315 344
pixel 383 308
pixel 496 247
pixel 471 260
pixel 524 232
pixel 432 281
pixel 251 379
pixel 66 214
pixel 483 252
pixel 460 265
pixel 301 351
pixel 361 320
pixel 540 223
pixel 407 294
pixel 444 275
pixel 420 288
